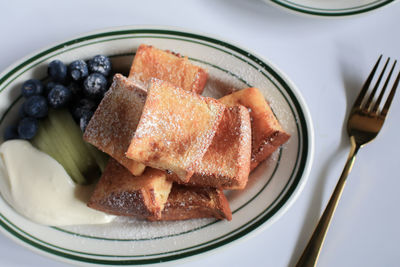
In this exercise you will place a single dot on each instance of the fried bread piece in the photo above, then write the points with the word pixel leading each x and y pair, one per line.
pixel 175 129
pixel 226 164
pixel 118 192
pixel 150 62
pixel 186 202
pixel 115 120
pixel 267 133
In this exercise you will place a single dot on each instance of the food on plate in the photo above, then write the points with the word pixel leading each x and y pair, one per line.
pixel 191 202
pixel 267 133
pixel 78 70
pixel 66 88
pixel 95 86
pixel 150 62
pixel 44 194
pixel 114 123
pixel 32 87
pixel 35 106
pixel 82 106
pixel 11 132
pixel 120 193
pixel 100 64
pixel 226 164
pixel 172 151
pixel 60 137
pixel 27 128
pixel 175 129
pixel 57 71
pixel 59 96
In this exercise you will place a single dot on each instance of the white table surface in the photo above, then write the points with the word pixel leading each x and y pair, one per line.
pixel 328 60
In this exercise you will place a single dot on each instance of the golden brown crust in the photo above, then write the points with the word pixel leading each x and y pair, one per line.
pixel 115 120
pixel 195 202
pixel 150 62
pixel 118 192
pixel 175 129
pixel 226 164
pixel 267 133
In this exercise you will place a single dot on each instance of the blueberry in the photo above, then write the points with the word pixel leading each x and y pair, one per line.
pixel 11 132
pixel 88 104
pixel 36 107
pixel 59 96
pixel 95 85
pixel 75 88
pixel 76 93
pixel 21 111
pixel 27 128
pixel 100 64
pixel 85 118
pixel 48 87
pixel 32 87
pixel 57 71
pixel 81 107
pixel 78 70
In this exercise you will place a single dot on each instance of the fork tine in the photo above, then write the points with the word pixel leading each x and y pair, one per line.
pixel 368 104
pixel 390 97
pixel 378 101
pixel 365 87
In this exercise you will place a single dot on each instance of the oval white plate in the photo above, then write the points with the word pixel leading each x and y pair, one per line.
pixel 331 8
pixel 272 187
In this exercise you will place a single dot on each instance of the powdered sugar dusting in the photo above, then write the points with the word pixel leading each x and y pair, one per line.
pixel 175 129
pixel 115 120
pixel 217 87
pixel 151 62
pixel 226 162
pixel 131 228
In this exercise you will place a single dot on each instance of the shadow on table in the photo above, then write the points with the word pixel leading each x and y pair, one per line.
pixel 351 86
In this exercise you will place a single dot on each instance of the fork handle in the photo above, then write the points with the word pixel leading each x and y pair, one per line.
pixel 311 252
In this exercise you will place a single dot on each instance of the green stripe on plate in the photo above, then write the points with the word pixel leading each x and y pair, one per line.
pixel 155 238
pixel 290 187
pixel 332 12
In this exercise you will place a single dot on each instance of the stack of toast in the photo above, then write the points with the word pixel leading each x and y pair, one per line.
pixel 174 152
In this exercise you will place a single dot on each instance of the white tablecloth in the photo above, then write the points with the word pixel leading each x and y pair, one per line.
pixel 328 60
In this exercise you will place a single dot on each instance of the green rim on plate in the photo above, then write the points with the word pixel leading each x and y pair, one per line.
pixel 302 164
pixel 331 12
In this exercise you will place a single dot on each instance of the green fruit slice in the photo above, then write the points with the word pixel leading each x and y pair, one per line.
pixel 61 138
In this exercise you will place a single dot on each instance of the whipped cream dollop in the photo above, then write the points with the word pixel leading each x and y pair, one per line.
pixel 39 188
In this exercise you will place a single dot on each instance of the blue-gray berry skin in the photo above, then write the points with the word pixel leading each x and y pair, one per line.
pixel 11 132
pixel 94 86
pixel 21 111
pixel 87 104
pixel 84 119
pixel 59 96
pixel 100 64
pixel 48 87
pixel 81 106
pixel 36 107
pixel 27 128
pixel 32 87
pixel 57 71
pixel 78 70
pixel 76 89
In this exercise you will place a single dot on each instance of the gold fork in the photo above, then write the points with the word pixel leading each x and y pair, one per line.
pixel 364 123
